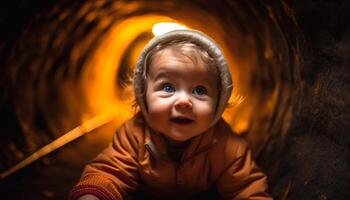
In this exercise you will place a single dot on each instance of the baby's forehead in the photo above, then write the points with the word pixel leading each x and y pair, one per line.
pixel 174 66
pixel 169 57
pixel 187 54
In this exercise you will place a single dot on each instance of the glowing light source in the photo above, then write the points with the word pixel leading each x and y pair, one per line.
pixel 164 27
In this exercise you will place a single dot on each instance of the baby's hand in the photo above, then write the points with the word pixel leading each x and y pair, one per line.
pixel 88 197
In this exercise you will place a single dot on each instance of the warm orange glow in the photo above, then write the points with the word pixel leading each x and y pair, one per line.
pixel 102 93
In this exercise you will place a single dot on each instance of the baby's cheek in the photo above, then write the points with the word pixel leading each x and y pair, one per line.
pixel 158 107
pixel 205 109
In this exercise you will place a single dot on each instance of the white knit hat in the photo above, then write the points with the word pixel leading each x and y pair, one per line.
pixel 204 42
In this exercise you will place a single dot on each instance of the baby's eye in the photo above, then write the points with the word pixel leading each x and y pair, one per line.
pixel 200 90
pixel 168 88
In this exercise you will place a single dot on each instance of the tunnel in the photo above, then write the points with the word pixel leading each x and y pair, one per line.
pixel 67 68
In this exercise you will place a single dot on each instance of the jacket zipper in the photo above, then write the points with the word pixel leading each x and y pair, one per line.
pixel 177 166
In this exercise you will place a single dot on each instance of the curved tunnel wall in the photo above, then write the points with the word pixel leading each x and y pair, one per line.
pixel 73 62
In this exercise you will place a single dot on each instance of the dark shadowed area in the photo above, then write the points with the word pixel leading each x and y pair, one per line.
pixel 65 69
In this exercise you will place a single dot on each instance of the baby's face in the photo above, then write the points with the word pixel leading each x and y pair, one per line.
pixel 181 96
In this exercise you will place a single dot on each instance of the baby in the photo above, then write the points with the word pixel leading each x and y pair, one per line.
pixel 178 146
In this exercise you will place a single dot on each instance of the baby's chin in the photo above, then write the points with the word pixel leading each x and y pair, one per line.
pixel 178 138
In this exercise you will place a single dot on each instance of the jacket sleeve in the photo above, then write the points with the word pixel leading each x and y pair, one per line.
pixel 243 179
pixel 113 173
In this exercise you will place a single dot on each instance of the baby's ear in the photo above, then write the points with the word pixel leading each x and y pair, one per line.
pixel 135 106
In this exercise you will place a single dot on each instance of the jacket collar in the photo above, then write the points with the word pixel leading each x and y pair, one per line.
pixel 156 144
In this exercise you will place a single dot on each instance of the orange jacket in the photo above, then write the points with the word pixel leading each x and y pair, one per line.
pixel 137 160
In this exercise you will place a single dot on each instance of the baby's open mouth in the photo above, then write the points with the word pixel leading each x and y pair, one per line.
pixel 181 120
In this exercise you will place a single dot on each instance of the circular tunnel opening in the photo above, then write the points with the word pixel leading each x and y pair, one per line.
pixel 77 61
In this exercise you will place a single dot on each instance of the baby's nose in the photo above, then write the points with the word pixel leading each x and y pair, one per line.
pixel 183 101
